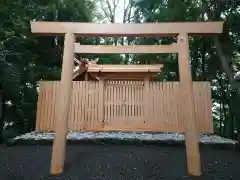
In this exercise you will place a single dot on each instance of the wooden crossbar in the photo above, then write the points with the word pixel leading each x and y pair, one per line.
pixel 137 29
pixel 126 68
pixel 138 49
pixel 117 71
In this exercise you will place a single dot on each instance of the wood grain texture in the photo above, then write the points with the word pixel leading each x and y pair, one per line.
pixel 163 103
pixel 137 49
pixel 137 29
pixel 188 107
pixel 62 106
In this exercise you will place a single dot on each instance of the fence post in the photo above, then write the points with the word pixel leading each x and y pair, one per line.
pixel 146 101
pixel 189 115
pixel 101 102
pixel 63 106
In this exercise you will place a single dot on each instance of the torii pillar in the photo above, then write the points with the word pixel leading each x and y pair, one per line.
pixel 63 106
pixel 188 107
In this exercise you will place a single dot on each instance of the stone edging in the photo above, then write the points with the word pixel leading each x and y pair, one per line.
pixel 135 142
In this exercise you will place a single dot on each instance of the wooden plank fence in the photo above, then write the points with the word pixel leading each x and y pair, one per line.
pixel 124 106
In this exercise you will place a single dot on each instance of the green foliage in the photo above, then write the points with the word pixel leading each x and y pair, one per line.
pixel 204 59
pixel 26 59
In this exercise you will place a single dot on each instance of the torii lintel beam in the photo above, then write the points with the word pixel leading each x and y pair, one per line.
pixel 130 29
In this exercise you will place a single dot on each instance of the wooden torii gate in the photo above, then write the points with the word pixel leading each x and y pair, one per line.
pixel 71 30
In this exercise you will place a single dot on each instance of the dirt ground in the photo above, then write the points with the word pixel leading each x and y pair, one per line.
pixel 116 162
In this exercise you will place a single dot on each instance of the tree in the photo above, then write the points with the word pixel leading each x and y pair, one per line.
pixel 26 59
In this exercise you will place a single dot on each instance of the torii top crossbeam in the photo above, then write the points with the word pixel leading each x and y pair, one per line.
pixel 137 29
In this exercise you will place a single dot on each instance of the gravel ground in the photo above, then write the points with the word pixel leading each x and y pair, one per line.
pixel 108 162
pixel 204 138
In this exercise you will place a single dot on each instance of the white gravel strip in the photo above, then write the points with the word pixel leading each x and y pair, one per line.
pixel 204 138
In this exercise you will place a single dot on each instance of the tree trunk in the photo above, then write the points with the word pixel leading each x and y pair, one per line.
pixel 221 117
pixel 226 115
pixel 230 131
pixel 225 66
pixel 225 120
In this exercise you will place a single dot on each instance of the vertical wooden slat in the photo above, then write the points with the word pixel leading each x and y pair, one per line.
pixel 94 98
pixel 138 91
pixel 44 101
pixel 87 105
pixel 114 117
pixel 71 110
pixel 151 96
pixel 174 101
pixel 121 101
pixel 179 108
pixel 147 106
pixel 46 108
pixel 76 106
pixel 111 102
pixel 197 88
pixel 127 99
pixel 44 112
pixel 167 105
pixel 140 99
pixel 95 104
pixel 106 114
pixel 42 106
pixel 105 102
pixel 90 105
pixel 52 103
pixel 98 125
pixel 161 112
pixel 155 110
pixel 135 102
pixel 131 102
pixel 118 99
pixel 84 105
pixel 101 103
pixel 203 105
pixel 137 96
pixel 54 91
pixel 81 110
